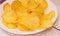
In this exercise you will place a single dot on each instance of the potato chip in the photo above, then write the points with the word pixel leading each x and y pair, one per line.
pixel 27 15
pixel 39 10
pixel 6 7
pixel 43 3
pixel 10 25
pixel 24 2
pixel 49 16
pixel 19 9
pixel 23 27
pixel 9 17
pixel 32 4
pixel 15 5
pixel 31 22
pixel 21 13
pixel 46 24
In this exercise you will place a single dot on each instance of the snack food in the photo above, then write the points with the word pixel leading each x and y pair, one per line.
pixel 46 24
pixel 49 16
pixel 32 22
pixel 23 27
pixel 43 3
pixel 27 15
pixel 6 6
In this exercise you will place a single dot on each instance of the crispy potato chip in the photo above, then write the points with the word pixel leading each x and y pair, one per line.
pixel 43 3
pixel 9 17
pixel 31 22
pixel 27 15
pixel 15 5
pixel 21 13
pixel 24 2
pixel 6 7
pixel 49 16
pixel 10 26
pixel 19 8
pixel 46 24
pixel 39 10
pixel 32 4
pixel 23 27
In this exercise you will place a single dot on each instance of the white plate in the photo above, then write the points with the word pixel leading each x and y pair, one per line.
pixel 51 6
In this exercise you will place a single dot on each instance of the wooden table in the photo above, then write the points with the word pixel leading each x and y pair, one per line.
pixel 49 32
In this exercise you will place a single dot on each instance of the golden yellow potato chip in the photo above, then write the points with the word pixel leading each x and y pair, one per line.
pixel 30 21
pixel 19 9
pixel 24 2
pixel 9 17
pixel 49 16
pixel 27 15
pixel 6 7
pixel 39 10
pixel 46 24
pixel 32 4
pixel 22 12
pixel 23 27
pixel 10 25
pixel 43 3
pixel 15 5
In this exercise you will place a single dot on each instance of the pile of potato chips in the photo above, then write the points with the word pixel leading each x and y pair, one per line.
pixel 27 15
